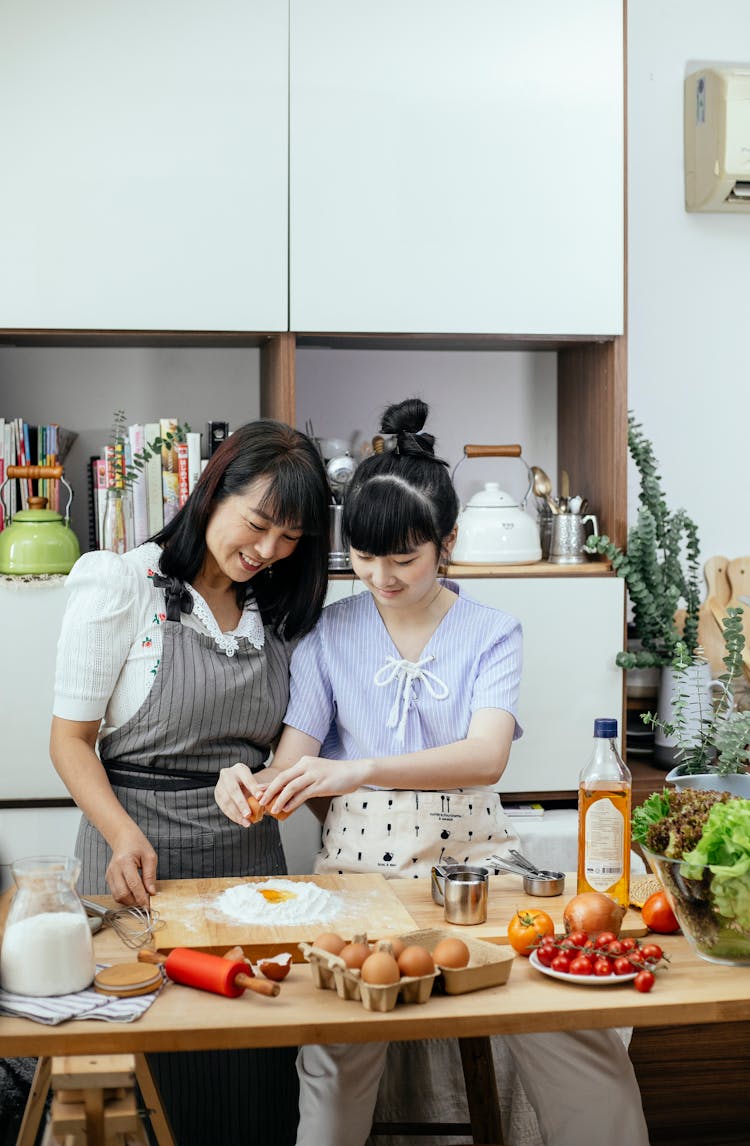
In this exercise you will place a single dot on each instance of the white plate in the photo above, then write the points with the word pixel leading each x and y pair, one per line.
pixel 581 980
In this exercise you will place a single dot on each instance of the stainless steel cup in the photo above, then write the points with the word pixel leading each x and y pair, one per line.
pixel 465 896
pixel 569 537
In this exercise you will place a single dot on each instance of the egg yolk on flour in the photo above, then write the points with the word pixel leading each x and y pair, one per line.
pixel 272 895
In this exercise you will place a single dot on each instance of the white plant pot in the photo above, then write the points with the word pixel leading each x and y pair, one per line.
pixel 735 783
pixel 695 683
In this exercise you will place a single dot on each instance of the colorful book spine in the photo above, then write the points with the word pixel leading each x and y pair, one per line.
pixel 183 481
pixel 169 475
pixel 137 436
pixel 194 458
pixel 101 486
pixel 154 494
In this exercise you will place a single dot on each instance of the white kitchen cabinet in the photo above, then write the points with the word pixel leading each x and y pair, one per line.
pixel 570 630
pixel 456 167
pixel 144 165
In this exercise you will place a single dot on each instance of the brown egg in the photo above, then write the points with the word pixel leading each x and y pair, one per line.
pixel 380 969
pixel 330 941
pixel 354 954
pixel 451 953
pixel 397 945
pixel 416 960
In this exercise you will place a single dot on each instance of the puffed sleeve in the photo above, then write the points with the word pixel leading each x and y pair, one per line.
pixel 98 630
pixel 498 679
pixel 311 706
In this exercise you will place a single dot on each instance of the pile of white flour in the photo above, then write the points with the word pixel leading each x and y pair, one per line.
pixel 307 903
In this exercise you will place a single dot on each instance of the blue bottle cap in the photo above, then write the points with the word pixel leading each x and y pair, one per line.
pixel 606 728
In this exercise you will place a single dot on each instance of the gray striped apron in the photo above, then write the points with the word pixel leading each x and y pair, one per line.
pixel 205 710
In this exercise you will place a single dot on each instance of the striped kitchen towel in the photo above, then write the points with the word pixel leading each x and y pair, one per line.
pixel 88 1004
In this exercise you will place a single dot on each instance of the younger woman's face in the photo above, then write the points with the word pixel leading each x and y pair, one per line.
pixel 399 580
pixel 241 541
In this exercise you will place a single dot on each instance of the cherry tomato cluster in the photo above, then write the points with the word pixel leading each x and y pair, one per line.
pixel 576 954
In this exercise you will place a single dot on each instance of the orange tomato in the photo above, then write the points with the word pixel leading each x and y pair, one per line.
pixel 658 915
pixel 527 927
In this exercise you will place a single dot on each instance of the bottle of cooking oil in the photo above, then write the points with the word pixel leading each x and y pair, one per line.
pixel 604 798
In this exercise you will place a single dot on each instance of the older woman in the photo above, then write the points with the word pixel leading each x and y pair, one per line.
pixel 174 659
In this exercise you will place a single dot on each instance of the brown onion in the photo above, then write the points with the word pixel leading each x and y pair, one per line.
pixel 593 912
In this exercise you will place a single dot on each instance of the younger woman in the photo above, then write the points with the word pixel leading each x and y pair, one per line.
pixel 403 710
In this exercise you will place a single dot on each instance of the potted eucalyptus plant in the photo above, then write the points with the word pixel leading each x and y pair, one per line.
pixel 660 567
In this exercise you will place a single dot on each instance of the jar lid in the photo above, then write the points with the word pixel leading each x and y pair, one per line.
pixel 605 728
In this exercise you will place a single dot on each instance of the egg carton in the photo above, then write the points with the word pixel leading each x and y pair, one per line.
pixel 489 964
pixel 330 972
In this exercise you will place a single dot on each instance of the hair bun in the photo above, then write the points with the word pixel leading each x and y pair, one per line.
pixel 405 420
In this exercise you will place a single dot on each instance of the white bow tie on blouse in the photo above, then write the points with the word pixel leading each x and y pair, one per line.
pixel 406 674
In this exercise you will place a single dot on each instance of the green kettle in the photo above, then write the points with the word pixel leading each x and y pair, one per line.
pixel 38 540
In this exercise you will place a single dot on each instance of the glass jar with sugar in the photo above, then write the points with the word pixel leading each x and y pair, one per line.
pixel 47 947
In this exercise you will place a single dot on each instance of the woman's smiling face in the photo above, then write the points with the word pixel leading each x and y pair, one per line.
pixel 399 579
pixel 241 540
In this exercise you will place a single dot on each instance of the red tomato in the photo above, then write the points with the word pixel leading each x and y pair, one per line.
pixel 604 939
pixel 615 948
pixel 622 965
pixel 527 927
pixel 636 957
pixel 644 981
pixel 546 953
pixel 651 953
pixel 577 939
pixel 581 965
pixel 658 915
pixel 629 944
pixel 602 965
pixel 561 962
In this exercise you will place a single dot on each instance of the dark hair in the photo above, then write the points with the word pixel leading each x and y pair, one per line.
pixel 291 597
pixel 403 497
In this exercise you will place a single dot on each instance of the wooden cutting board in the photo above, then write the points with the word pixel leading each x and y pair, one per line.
pixel 506 896
pixel 192 919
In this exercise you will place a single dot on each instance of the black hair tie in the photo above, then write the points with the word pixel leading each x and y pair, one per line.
pixel 179 599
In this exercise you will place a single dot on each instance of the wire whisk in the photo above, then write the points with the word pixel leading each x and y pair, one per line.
pixel 133 925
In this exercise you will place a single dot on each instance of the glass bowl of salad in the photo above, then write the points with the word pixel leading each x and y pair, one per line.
pixel 697 844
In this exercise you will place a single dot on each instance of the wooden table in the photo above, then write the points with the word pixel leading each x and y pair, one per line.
pixel 691 991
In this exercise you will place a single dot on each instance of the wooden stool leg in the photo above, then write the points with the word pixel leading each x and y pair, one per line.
pixel 481 1090
pixel 32 1115
pixel 152 1098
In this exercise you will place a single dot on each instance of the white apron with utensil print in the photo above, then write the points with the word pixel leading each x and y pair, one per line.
pixel 401 834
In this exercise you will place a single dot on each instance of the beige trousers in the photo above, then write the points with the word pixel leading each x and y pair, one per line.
pixel 581 1085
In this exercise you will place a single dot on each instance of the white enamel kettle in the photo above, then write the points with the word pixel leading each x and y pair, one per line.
pixel 493 526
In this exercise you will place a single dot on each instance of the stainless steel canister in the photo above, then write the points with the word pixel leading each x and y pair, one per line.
pixel 465 896
pixel 339 554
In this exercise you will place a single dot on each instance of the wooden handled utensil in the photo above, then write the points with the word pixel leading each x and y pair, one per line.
pixel 209 972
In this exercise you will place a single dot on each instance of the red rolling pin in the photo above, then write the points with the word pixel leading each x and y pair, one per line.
pixel 209 972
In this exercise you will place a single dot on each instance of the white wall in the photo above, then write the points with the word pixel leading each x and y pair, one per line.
pixel 688 288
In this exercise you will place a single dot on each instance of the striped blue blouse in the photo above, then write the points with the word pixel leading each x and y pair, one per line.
pixel 352 691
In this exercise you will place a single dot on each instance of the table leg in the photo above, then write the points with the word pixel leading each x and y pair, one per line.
pixel 481 1090
pixel 156 1112
pixel 32 1115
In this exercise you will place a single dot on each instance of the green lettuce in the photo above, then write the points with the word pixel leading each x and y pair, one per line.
pixel 651 811
pixel 724 848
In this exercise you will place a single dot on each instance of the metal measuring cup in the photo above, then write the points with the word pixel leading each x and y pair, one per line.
pixel 465 895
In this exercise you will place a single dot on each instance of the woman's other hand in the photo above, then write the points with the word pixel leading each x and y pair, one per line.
pixel 131 874
pixel 235 785
pixel 313 776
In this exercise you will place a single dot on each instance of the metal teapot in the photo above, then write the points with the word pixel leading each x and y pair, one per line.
pixel 38 540
pixel 493 527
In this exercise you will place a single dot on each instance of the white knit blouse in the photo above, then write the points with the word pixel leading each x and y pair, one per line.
pixel 110 645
